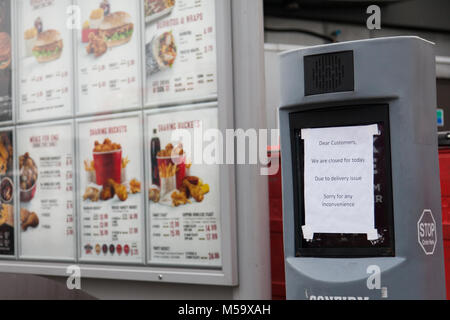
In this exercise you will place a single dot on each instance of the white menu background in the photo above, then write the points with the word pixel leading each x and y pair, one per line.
pixel 189 234
pixel 110 82
pixel 112 222
pixel 193 76
pixel 45 88
pixel 51 147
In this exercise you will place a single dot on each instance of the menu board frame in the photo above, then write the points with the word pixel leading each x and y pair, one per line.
pixel 140 60
pixel 227 275
pixel 14 55
pixel 181 101
pixel 75 212
pixel 18 68
pixel 79 192
pixel 16 200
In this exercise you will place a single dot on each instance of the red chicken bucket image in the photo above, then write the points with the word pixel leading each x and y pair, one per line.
pixel 108 165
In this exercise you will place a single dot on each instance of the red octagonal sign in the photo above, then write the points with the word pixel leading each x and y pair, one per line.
pixel 426 229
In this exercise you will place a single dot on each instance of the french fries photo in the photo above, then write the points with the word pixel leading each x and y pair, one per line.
pixel 167 171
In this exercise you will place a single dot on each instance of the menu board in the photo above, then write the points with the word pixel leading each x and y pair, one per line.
pixel 184 193
pixel 110 197
pixel 6 193
pixel 180 50
pixel 46 166
pixel 108 56
pixel 46 60
pixel 5 61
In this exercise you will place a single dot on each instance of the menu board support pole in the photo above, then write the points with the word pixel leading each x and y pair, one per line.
pixel 251 187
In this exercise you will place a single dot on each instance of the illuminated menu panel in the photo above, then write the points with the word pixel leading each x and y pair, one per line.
pixel 6 58
pixel 108 49
pixel 110 193
pixel 180 51
pixel 184 196
pixel 46 60
pixel 7 194
pixel 47 215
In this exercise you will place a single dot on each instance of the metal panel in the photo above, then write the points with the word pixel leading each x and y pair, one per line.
pixel 251 188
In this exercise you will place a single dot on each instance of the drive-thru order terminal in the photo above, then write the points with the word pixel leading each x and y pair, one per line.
pixel 361 192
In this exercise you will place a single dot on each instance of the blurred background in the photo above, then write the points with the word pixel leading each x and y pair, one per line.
pixel 291 24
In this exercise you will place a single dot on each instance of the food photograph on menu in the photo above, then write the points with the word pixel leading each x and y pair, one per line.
pixel 111 190
pixel 46 168
pixel 46 60
pixel 108 56
pixel 7 225
pixel 5 62
pixel 180 51
pixel 184 193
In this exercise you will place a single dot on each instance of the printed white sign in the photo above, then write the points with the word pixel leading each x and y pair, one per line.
pixel 339 179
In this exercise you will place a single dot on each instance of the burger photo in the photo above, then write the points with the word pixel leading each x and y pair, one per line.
pixel 5 50
pixel 116 29
pixel 49 46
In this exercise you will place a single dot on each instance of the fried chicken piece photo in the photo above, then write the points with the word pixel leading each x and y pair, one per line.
pixel 179 198
pixel 97 45
pixel 4 158
pixel 135 186
pixel 92 194
pixel 197 189
pixel 119 189
pixel 154 195
pixel 7 215
pixel 28 219
pixel 107 192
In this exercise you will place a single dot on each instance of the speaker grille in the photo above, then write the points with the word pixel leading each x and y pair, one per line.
pixel 328 73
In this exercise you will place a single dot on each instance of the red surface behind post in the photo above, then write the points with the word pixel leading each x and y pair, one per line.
pixel 444 162
pixel 276 230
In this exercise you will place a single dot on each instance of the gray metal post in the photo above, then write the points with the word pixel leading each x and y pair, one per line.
pixel 251 187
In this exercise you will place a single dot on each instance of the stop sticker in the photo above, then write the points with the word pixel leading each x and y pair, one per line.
pixel 427 232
